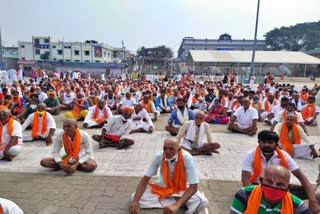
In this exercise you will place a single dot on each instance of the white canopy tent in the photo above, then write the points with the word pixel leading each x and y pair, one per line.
pixel 243 58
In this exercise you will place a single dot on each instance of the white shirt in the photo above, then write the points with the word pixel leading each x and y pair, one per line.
pixel 276 109
pixel 12 73
pixel 85 153
pixel 245 118
pixel 92 109
pixel 142 114
pixel 17 131
pixel 51 124
pixel 67 99
pixel 130 103
pixel 42 96
pixel 116 126
pixel 278 118
pixel 247 164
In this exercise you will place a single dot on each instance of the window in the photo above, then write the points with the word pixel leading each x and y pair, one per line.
pixel 67 46
pixel 46 40
pixel 87 61
pixel 59 52
pixel 54 59
pixel 36 41
pixel 54 46
pixel 76 52
pixel 87 53
pixel 22 46
pixel 77 60
pixel 108 54
pixel 60 60
pixel 67 60
pixel 105 53
pixel 37 51
pixel 97 61
pixel 23 58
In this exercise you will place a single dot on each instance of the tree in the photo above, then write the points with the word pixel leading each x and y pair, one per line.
pixel 162 51
pixel 304 36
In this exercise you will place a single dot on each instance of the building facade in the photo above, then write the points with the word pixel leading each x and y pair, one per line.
pixel 65 56
pixel 224 43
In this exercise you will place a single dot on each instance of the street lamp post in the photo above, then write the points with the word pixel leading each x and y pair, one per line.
pixel 255 40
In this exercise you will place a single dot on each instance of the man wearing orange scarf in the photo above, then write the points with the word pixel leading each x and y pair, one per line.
pixel 271 196
pixel 268 153
pixel 171 191
pixel 79 107
pixel 289 110
pixel 10 136
pixel 149 106
pixel 78 148
pixel 98 115
pixel 43 124
pixel 291 137
pixel 310 112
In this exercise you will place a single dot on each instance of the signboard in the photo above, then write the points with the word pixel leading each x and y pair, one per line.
pixel 26 62
pixel 97 51
pixel 10 52
pixel 45 46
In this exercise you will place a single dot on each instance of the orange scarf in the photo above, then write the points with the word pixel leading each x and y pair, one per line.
pixel 74 149
pixel 267 107
pixel 287 143
pixel 308 111
pixel 35 125
pixel 257 163
pixel 178 182
pixel 254 105
pixel 18 99
pixel 92 102
pixel 96 113
pixel 255 197
pixel 10 130
pixel 147 106
pixel 284 116
pixel 304 97
pixel 76 109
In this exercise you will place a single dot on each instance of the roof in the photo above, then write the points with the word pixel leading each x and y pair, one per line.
pixel 313 51
pixel 203 57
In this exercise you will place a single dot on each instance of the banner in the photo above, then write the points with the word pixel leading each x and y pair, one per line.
pixel 97 51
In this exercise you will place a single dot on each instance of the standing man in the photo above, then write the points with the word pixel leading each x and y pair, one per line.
pixel 77 145
pixel 177 184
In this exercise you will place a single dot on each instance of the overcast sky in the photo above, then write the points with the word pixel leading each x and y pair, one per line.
pixel 147 22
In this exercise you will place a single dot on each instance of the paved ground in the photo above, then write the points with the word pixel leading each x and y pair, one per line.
pixel 108 189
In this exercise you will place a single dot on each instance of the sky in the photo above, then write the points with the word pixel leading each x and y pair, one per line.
pixel 147 23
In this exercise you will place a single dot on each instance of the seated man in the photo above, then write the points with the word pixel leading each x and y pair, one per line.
pixel 310 112
pixel 148 105
pixel 192 135
pixel 52 103
pixel 298 103
pixel 197 102
pixel 138 117
pixel 43 124
pixel 276 109
pixel 92 98
pixel 114 132
pixel 111 100
pixel 267 106
pixel 291 136
pixel 98 115
pixel 19 104
pixel 268 153
pixel 178 117
pixel 127 101
pixel 289 110
pixel 271 196
pixel 7 102
pixel 177 184
pixel 77 145
pixel 256 104
pixel 66 99
pixel 79 108
pixel 11 136
pixel 162 102
pixel 246 118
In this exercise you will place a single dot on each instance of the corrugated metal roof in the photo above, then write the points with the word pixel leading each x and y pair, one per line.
pixel 204 57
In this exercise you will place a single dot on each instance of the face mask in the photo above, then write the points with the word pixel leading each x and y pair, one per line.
pixel 33 107
pixel 273 194
pixel 173 158
pixel 41 112
pixel 8 101
pixel 80 99
pixel 91 95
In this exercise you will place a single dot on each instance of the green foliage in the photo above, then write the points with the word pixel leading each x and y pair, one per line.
pixel 304 36
pixel 160 51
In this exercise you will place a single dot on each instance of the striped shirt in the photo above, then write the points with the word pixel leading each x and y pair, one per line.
pixel 239 203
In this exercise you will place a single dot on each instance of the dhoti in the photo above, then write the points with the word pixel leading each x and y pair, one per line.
pixel 196 203
pixel 14 150
pixel 302 151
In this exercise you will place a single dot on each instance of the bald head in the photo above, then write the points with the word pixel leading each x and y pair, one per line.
pixel 276 176
pixel 4 114
pixel 138 108
pixel 170 147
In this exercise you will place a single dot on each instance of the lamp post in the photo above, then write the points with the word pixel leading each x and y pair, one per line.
pixel 255 40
